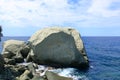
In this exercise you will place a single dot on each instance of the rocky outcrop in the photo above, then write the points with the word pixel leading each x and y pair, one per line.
pixel 58 47
pixel 12 47
pixel 12 71
pixel 15 50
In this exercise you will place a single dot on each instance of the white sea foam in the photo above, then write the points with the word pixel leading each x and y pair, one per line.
pixel 24 63
pixel 69 72
pixel 91 67
pixel 66 72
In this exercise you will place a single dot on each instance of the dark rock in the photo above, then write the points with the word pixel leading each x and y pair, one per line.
pixel 18 58
pixel 21 68
pixel 12 71
pixel 1 64
pixel 25 50
pixel 16 70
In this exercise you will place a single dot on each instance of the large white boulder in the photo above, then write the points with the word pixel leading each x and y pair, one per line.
pixel 56 46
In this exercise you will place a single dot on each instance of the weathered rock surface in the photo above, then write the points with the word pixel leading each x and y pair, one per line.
pixel 27 75
pixel 12 71
pixel 9 61
pixel 15 49
pixel 54 76
pixel 37 77
pixel 58 47
pixel 12 47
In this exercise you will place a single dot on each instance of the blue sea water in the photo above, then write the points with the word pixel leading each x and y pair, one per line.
pixel 104 57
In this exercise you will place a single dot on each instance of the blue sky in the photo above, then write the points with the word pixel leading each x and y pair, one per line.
pixel 89 17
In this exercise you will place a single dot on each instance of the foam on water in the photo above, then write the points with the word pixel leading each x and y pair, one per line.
pixel 69 72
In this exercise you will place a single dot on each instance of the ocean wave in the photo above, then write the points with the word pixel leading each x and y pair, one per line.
pixel 69 72
pixel 66 72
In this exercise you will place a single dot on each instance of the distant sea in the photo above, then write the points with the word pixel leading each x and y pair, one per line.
pixel 104 57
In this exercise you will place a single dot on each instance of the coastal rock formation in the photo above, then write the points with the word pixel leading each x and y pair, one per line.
pixel 60 47
pixel 15 50
pixel 11 48
pixel 54 47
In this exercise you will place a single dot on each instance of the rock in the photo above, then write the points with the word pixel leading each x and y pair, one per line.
pixel 1 64
pixel 37 77
pixel 60 47
pixel 54 76
pixel 15 70
pixel 31 68
pixel 10 61
pixel 12 47
pixel 11 72
pixel 29 57
pixel 25 50
pixel 8 55
pixel 18 58
pixel 21 68
pixel 27 75
pixel 15 49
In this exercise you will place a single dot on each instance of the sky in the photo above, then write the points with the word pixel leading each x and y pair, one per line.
pixel 89 17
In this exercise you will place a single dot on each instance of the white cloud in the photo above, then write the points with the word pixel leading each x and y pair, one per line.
pixel 40 13
pixel 101 8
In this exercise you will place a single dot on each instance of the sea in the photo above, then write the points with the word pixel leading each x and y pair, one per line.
pixel 103 54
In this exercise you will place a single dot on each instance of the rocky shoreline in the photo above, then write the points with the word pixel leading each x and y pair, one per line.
pixel 53 47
